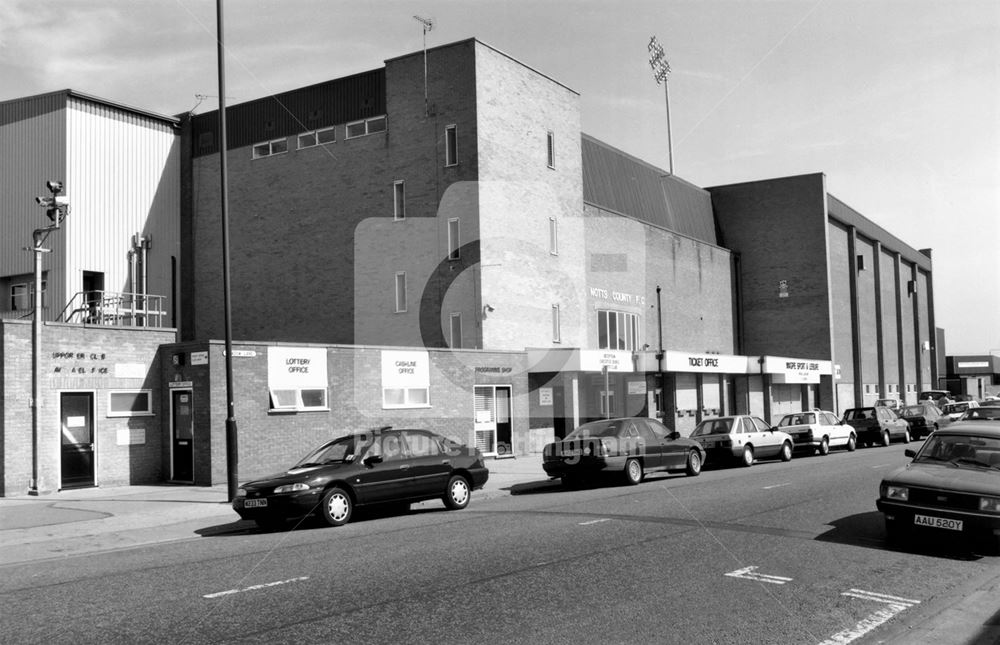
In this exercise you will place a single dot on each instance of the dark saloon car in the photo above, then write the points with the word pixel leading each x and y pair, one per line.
pixel 629 447
pixel 877 425
pixel 379 466
pixel 950 489
pixel 924 418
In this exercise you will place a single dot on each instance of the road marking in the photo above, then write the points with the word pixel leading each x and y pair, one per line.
pixel 777 485
pixel 747 573
pixel 895 605
pixel 255 587
pixel 594 522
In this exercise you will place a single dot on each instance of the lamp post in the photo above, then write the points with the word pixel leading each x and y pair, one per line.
pixel 56 208
pixel 661 70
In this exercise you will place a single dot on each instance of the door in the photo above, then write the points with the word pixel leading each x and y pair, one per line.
pixel 504 424
pixel 76 412
pixel 485 423
pixel 182 433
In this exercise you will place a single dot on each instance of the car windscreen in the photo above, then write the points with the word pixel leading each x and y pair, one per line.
pixel 982 413
pixel 596 429
pixel 340 450
pixel 797 419
pixel 713 426
pixel 961 450
pixel 859 413
pixel 912 411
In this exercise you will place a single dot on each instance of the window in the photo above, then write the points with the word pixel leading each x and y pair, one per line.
pixel 399 200
pixel 421 444
pixel 130 403
pixel 608 396
pixel 450 145
pixel 366 126
pixel 22 296
pixel 550 141
pixel 299 398
pixel 400 292
pixel 556 325
pixel 617 330
pixel 454 240
pixel 405 397
pixel 456 331
pixel 269 148
pixel 316 137
pixel 553 236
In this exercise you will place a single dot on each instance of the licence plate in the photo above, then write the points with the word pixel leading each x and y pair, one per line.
pixel 938 522
pixel 254 503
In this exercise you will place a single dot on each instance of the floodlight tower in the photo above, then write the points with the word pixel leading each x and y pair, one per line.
pixel 428 24
pixel 661 70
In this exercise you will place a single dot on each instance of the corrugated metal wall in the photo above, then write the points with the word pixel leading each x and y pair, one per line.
pixel 616 181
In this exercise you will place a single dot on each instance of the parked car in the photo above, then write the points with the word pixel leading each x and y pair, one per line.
pixel 818 431
pixel 379 466
pixel 924 418
pixel 629 447
pixel 984 412
pixel 742 439
pixel 877 425
pixel 955 410
pixel 892 404
pixel 950 488
pixel 938 397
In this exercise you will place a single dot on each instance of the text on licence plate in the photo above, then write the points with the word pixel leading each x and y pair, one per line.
pixel 254 503
pixel 938 522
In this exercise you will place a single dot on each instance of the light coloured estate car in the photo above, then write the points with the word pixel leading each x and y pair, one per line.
pixel 818 431
pixel 742 439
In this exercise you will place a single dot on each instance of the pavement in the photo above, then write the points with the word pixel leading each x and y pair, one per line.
pixel 94 520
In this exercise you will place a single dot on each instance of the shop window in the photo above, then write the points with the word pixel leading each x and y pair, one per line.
pixel 298 399
pixel 399 200
pixel 454 240
pixel 317 137
pixel 130 403
pixel 451 145
pixel 366 126
pixel 400 292
pixel 270 148
pixel 617 330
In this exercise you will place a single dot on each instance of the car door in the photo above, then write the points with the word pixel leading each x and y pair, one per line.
pixel 674 453
pixel 430 468
pixel 653 445
pixel 387 470
pixel 766 442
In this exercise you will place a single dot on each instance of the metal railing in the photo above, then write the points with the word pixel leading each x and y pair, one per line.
pixel 115 309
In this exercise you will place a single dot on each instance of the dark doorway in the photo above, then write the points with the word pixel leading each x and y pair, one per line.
pixel 76 412
pixel 182 433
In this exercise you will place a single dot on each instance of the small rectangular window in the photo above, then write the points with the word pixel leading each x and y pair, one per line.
pixel 366 126
pixel 356 129
pixel 450 145
pixel 376 124
pixel 130 403
pixel 269 148
pixel 316 137
pixel 298 399
pixel 550 139
pixel 456 331
pixel 326 135
pixel 307 140
pixel 409 397
pixel 553 236
pixel 454 240
pixel 400 292
pixel 399 200
pixel 556 325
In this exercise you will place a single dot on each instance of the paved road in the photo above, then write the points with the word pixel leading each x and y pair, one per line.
pixel 778 553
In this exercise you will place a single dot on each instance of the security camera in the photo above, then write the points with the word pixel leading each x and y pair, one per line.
pixel 54 186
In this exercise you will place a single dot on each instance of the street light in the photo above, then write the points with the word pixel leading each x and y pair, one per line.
pixel 661 70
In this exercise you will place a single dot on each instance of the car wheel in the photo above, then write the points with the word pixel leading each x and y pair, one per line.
pixel 906 436
pixel 693 467
pixel 885 438
pixel 337 507
pixel 633 472
pixel 824 446
pixel 457 495
pixel 786 452
pixel 747 459
pixel 852 444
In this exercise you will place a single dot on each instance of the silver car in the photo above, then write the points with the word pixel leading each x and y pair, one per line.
pixel 742 439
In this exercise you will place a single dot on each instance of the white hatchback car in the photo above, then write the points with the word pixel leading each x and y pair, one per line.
pixel 741 438
pixel 818 431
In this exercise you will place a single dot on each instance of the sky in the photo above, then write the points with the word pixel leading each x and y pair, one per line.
pixel 897 102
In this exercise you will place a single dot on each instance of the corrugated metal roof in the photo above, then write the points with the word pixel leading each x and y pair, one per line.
pixel 616 181
pixel 281 115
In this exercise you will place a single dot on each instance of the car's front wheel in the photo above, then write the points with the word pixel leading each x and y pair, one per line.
pixel 337 507
pixel 852 444
pixel 885 438
pixel 786 452
pixel 824 446
pixel 458 493
pixel 633 472
pixel 693 466
pixel 747 458
pixel 906 436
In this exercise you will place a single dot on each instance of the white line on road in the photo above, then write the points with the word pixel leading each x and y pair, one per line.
pixel 895 605
pixel 595 522
pixel 777 485
pixel 255 587
pixel 747 573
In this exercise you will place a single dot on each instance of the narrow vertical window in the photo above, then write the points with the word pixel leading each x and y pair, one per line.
pixel 456 331
pixel 556 325
pixel 454 240
pixel 450 145
pixel 550 144
pixel 399 200
pixel 400 292
pixel 553 236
